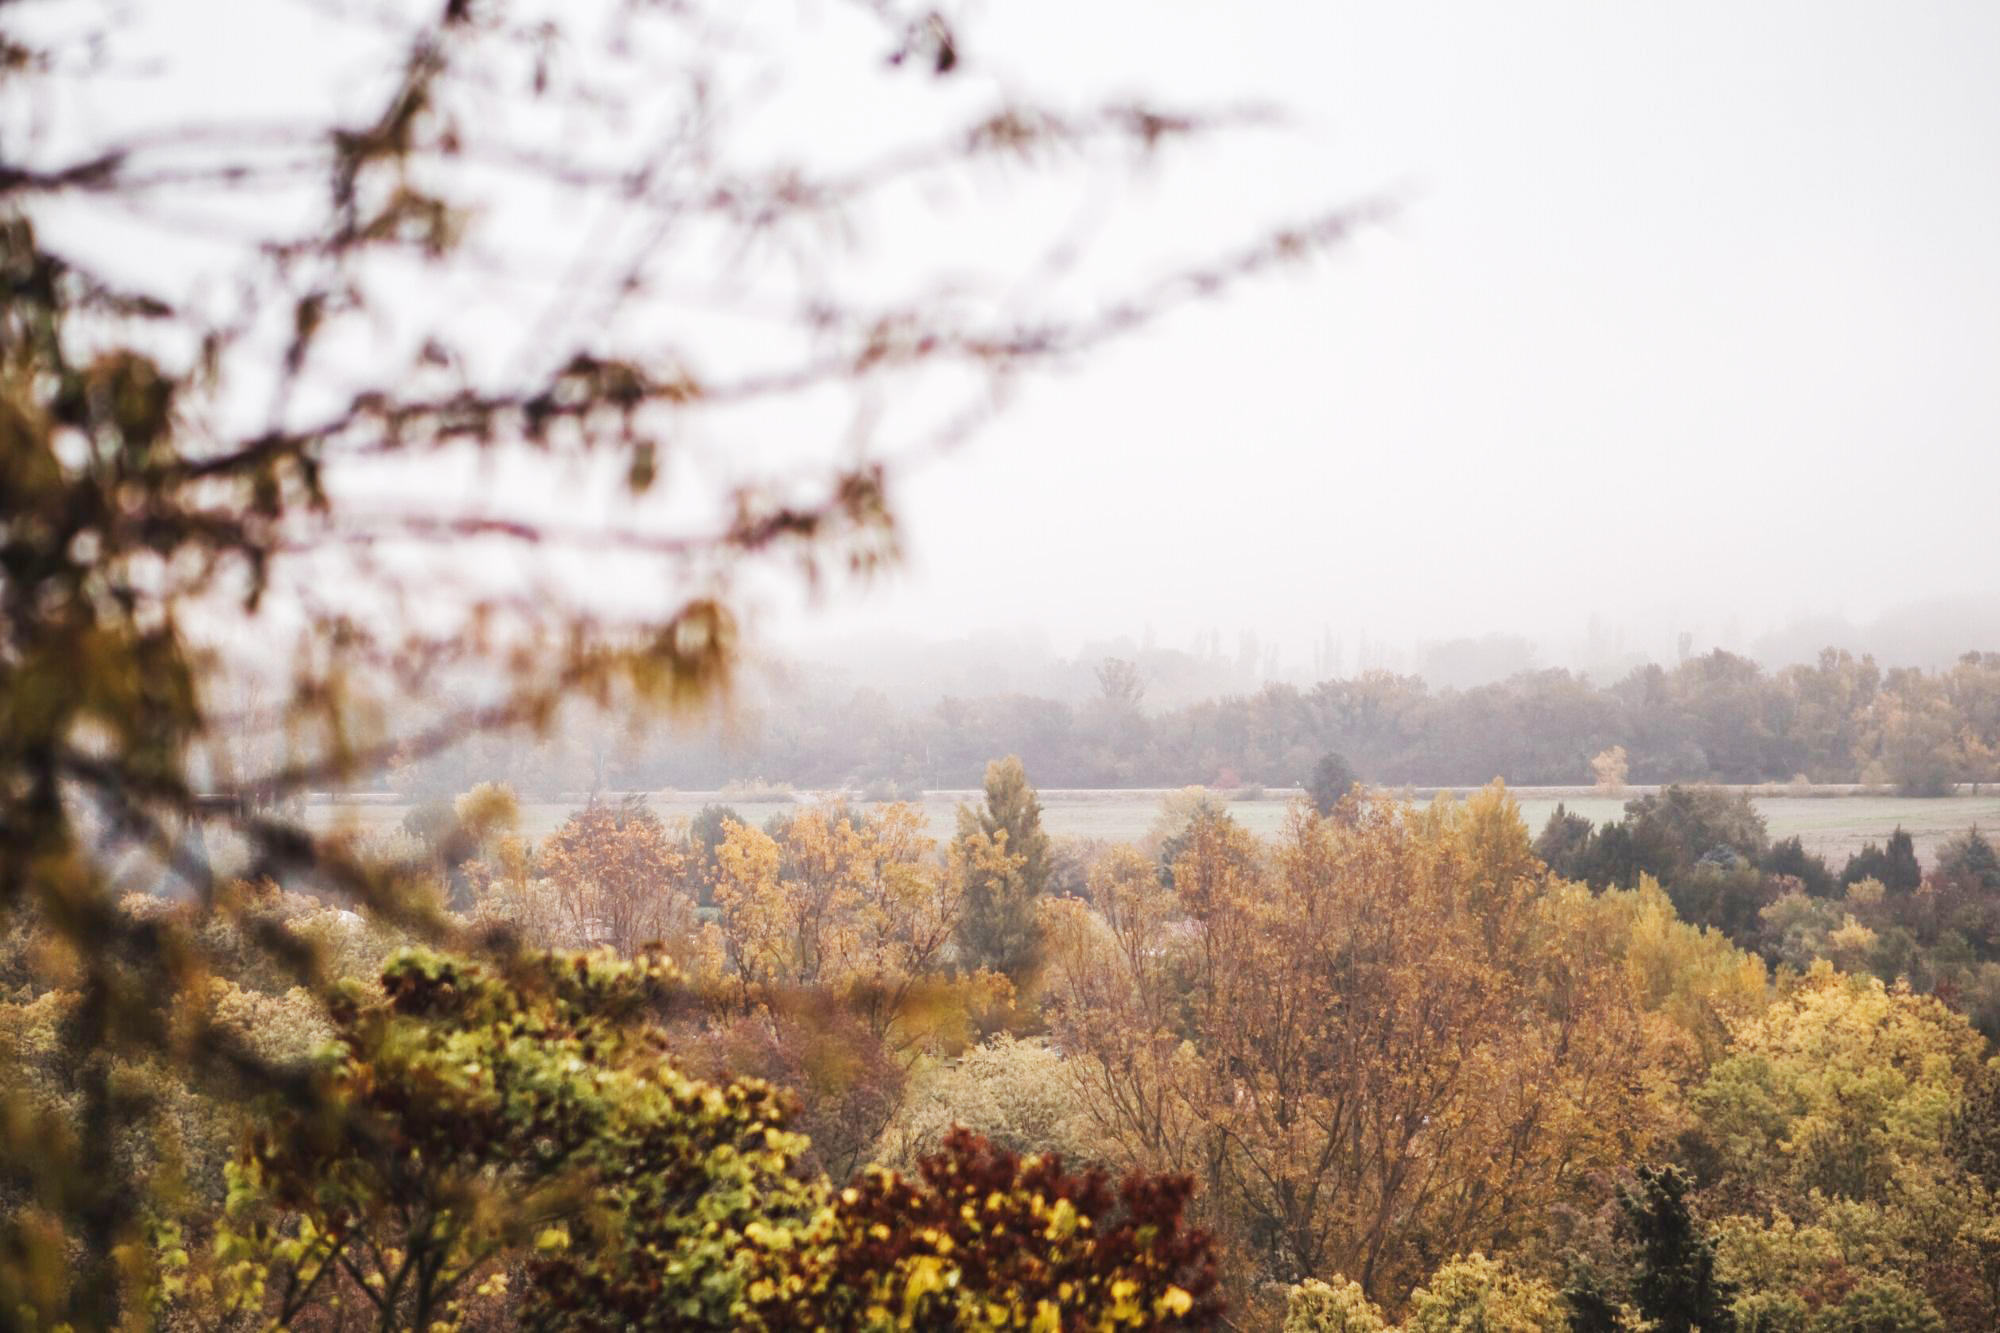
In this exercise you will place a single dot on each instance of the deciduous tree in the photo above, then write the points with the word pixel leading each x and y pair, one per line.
pixel 1338 1035
pixel 981 1238
pixel 479 1120
pixel 618 876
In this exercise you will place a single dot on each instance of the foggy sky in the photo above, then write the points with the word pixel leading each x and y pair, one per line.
pixel 1688 320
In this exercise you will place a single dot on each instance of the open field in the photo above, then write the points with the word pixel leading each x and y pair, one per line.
pixel 1832 825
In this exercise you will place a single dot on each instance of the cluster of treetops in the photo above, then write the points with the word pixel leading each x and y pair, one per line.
pixel 1390 1068
pixel 1881 915
pixel 1714 718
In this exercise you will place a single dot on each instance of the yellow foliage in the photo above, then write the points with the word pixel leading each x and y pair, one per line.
pixel 1866 892
pixel 616 876
pixel 1851 943
pixel 1691 977
pixel 1341 1306
pixel 1838 1087
pixel 1474 1294
pixel 864 908
pixel 1337 1032
pixel 488 810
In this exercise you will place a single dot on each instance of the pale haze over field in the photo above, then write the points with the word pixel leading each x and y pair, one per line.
pixel 1688 318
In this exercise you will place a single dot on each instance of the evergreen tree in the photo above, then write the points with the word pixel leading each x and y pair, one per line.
pixel 1332 778
pixel 1673 829
pixel 1896 865
pixel 1905 874
pixel 1790 857
pixel 1564 844
pixel 1591 1308
pixel 1969 860
pixel 1615 858
pixel 1674 1282
pixel 1006 860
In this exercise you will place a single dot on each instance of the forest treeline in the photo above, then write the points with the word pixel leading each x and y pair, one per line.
pixel 1714 718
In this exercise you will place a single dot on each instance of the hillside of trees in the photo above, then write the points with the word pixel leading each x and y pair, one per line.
pixel 1716 718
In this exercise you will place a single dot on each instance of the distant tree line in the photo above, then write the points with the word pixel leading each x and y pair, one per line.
pixel 1715 718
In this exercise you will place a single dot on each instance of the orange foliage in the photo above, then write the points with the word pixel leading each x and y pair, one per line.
pixel 1367 1043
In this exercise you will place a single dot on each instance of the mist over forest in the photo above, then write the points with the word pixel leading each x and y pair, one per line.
pixel 919 670
pixel 908 720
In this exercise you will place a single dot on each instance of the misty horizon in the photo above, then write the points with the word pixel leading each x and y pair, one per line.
pixel 1929 635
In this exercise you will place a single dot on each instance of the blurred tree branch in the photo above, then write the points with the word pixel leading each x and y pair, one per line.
pixel 246 362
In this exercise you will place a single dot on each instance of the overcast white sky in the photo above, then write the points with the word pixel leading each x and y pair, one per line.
pixel 1691 319
pixel 1688 320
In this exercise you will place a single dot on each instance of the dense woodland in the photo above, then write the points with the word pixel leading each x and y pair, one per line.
pixel 1388 1068
pixel 1715 718
pixel 1880 913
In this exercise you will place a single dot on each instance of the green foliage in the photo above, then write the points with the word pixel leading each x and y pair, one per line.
pixel 523 1121
pixel 1974 1139
pixel 1790 857
pixel 1591 1307
pixel 1797 930
pixel 1674 1282
pixel 1882 1305
pixel 1655 1269
pixel 1895 866
pixel 1846 1136
pixel 1668 835
pixel 164 544
pixel 1784 903
pixel 1969 860
pixel 1331 781
pixel 1007 855
pixel 1722 890
pixel 475 1114
pixel 1836 1086
pixel 1686 823
pixel 1770 1312
pixel 1564 844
